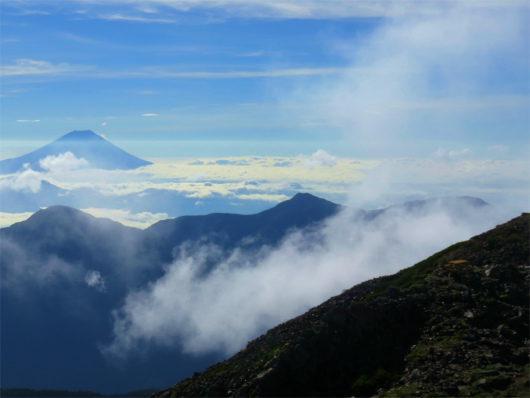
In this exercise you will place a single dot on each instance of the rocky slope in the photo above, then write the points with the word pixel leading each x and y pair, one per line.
pixel 455 324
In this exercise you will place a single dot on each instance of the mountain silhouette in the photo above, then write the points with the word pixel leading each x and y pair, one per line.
pixel 45 262
pixel 97 151
pixel 64 272
pixel 231 230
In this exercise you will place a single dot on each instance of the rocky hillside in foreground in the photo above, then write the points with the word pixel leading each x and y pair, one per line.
pixel 455 324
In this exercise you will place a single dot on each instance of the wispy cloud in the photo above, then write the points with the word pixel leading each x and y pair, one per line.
pixel 283 9
pixel 28 121
pixel 426 79
pixel 121 17
pixel 80 39
pixel 34 67
pixel 164 73
pixel 145 92
pixel 11 40
pixel 252 54
pixel 147 10
pixel 33 12
pixel 149 114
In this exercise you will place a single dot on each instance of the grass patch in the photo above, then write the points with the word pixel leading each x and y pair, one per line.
pixel 367 385
pixel 268 356
pixel 404 391
pixel 442 342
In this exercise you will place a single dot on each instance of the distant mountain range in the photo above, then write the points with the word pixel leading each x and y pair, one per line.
pixel 46 259
pixel 93 151
pixel 96 150
pixel 64 272
pixel 455 324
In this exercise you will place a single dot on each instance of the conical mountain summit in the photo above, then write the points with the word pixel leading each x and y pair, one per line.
pixel 96 150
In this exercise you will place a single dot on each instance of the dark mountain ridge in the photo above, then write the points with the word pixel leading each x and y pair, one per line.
pixel 455 324
pixel 45 262
pixel 77 236
pixel 228 230
pixel 47 259
pixel 97 151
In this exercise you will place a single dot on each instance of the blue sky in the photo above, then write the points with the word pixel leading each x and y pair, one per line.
pixel 249 75
pixel 431 96
pixel 75 65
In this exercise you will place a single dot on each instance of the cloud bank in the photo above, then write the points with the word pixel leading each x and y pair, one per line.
pixel 250 292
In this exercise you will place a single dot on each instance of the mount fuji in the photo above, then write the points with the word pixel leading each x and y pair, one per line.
pixel 96 150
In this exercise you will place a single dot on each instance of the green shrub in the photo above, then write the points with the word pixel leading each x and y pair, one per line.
pixel 367 385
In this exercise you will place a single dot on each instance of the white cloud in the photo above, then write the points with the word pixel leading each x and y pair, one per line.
pixel 149 114
pixel 28 121
pixel 164 73
pixel 445 154
pixel 33 12
pixel 290 9
pixel 147 10
pixel 320 158
pixel 252 54
pixel 26 180
pixel 250 292
pixel 34 67
pixel 95 280
pixel 413 80
pixel 62 162
pixel 121 17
